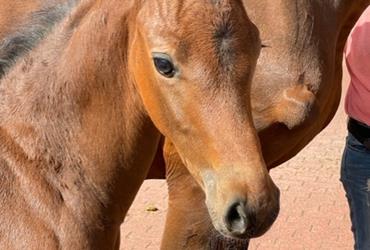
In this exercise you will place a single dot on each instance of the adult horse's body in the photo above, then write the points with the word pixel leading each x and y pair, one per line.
pixel 83 83
pixel 295 93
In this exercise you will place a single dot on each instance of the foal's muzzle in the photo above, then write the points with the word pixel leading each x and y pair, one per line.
pixel 243 220
pixel 237 219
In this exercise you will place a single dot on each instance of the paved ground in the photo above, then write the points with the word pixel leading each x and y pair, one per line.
pixel 314 212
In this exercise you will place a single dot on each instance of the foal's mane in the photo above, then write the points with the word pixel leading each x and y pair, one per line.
pixel 25 37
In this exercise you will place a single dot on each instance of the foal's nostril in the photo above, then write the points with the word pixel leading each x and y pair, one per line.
pixel 236 219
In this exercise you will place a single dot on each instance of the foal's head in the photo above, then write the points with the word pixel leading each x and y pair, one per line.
pixel 192 63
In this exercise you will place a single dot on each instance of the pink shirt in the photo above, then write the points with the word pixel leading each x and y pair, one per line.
pixel 357 54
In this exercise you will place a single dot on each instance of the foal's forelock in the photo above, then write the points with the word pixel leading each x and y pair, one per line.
pixel 24 38
pixel 212 30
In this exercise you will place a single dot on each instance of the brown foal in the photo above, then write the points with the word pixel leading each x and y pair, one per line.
pixel 83 103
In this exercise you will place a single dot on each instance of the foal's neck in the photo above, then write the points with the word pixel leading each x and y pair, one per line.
pixel 71 107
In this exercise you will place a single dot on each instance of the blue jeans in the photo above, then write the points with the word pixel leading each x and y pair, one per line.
pixel 355 176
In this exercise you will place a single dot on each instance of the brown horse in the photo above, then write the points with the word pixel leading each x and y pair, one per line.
pixel 87 88
pixel 295 93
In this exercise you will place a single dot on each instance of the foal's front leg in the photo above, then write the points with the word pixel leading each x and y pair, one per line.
pixel 188 225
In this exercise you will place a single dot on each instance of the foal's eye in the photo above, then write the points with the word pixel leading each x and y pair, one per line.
pixel 164 65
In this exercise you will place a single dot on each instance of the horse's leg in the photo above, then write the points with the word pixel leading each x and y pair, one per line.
pixel 188 225
pixel 158 168
pixel 187 222
pixel 118 241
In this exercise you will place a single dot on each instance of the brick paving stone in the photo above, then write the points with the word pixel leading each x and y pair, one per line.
pixel 314 212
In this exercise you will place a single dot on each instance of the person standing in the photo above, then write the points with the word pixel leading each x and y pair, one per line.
pixel 355 167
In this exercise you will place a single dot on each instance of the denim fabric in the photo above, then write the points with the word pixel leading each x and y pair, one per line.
pixel 355 176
